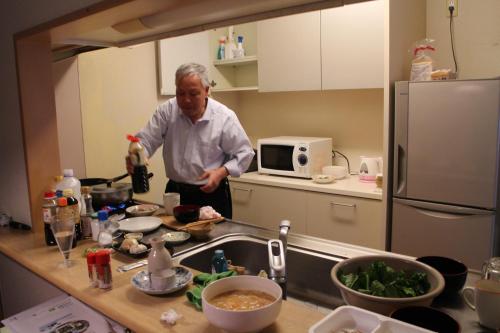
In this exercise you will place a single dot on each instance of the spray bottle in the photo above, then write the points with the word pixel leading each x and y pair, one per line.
pixel 140 181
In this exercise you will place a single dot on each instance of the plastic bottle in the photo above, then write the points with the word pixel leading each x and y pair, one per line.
pixel 49 211
pixel 230 46
pixel 63 212
pixel 239 52
pixel 105 239
pixel 73 205
pixel 69 181
pixel 86 212
pixel 221 51
pixel 140 181
pixel 219 262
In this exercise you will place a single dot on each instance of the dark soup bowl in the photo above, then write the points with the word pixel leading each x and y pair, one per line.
pixel 428 318
pixel 187 213
pixel 453 271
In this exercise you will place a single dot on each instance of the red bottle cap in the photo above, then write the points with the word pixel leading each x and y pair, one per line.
pixel 102 257
pixel 62 202
pixel 49 194
pixel 132 138
pixel 91 257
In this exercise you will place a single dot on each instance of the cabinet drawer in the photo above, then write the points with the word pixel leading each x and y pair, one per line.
pixel 346 219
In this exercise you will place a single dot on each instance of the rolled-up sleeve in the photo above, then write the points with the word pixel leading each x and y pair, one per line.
pixel 237 146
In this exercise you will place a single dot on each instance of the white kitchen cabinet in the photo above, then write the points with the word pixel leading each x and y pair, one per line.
pixel 346 219
pixel 289 53
pixel 176 51
pixel 352 46
pixel 267 206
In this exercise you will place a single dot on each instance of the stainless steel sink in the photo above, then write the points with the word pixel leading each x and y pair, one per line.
pixel 308 272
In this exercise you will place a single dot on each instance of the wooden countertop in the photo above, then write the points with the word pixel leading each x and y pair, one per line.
pixel 123 303
pixel 350 185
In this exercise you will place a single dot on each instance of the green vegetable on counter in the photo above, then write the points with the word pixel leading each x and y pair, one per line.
pixel 381 280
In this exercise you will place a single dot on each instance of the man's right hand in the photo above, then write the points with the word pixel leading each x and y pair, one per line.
pixel 128 163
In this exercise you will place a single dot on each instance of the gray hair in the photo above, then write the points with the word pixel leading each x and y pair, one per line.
pixel 192 68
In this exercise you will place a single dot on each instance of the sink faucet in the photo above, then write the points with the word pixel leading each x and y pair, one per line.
pixel 277 257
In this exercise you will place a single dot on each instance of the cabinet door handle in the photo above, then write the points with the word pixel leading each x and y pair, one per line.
pixel 333 203
pixel 249 190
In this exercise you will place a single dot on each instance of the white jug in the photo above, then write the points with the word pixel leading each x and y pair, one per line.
pixel 369 168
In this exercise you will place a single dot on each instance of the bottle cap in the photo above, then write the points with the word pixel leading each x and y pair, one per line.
pixel 132 138
pixel 68 172
pixel 240 39
pixel 49 195
pixel 68 192
pixel 86 189
pixel 102 257
pixel 62 202
pixel 58 178
pixel 102 215
pixel 219 252
pixel 91 257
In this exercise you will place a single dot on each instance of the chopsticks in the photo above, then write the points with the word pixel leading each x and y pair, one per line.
pixel 202 222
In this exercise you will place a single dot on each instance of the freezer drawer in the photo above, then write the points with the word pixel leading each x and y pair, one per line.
pixel 435 230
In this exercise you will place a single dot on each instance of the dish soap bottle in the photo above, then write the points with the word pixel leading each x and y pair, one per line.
pixel 221 51
pixel 239 52
pixel 140 182
pixel 219 262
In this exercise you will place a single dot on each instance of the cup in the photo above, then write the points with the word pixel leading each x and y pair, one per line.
pixel 170 200
pixel 484 298
pixel 163 280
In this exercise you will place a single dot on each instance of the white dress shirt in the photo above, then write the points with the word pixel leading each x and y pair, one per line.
pixel 216 139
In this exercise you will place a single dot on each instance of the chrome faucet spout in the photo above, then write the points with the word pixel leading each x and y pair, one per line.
pixel 283 237
pixel 277 257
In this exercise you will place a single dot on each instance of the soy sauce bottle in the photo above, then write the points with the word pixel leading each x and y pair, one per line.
pixel 140 181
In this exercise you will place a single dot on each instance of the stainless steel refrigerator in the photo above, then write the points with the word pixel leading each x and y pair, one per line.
pixel 445 169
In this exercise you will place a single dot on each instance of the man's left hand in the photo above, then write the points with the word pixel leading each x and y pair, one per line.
pixel 214 177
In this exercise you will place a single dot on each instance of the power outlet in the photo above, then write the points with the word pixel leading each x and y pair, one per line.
pixel 453 3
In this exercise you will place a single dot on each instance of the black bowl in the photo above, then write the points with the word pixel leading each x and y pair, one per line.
pixel 453 271
pixel 187 213
pixel 427 318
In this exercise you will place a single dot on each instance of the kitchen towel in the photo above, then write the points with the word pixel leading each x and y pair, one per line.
pixel 201 281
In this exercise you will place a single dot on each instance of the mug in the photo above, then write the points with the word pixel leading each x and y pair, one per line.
pixel 170 200
pixel 162 280
pixel 484 298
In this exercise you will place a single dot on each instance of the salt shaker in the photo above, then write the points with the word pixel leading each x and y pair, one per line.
pixel 91 265
pixel 103 269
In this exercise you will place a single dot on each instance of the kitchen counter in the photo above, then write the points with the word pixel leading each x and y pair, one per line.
pixel 123 303
pixel 350 186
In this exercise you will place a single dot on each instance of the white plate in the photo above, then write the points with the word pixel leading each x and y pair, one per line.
pixel 142 210
pixel 142 282
pixel 140 224
pixel 175 237
pixel 323 179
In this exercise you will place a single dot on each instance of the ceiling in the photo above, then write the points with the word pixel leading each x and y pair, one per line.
pixel 139 21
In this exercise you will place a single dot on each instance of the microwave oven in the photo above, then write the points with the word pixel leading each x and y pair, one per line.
pixel 293 156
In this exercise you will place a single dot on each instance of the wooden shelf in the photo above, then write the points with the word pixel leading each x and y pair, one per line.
pixel 247 60
pixel 236 89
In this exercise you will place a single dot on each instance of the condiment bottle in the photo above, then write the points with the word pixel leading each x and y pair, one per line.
pixel 105 238
pixel 49 211
pixel 92 269
pixel 219 262
pixel 86 212
pixel 103 266
pixel 65 212
pixel 73 204
pixel 137 155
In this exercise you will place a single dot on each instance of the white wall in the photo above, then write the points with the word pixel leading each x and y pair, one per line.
pixel 477 37
pixel 17 16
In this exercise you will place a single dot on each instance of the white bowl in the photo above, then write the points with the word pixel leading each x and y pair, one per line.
pixel 142 210
pixel 242 321
pixel 385 305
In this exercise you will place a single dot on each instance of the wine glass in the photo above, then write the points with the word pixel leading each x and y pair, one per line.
pixel 64 229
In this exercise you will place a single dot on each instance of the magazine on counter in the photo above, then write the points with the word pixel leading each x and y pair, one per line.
pixel 62 314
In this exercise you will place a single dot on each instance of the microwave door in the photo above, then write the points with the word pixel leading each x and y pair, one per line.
pixel 276 157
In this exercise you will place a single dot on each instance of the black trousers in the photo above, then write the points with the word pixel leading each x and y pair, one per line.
pixel 220 199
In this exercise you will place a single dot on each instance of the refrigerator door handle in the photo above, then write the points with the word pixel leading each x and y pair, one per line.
pixel 443 211
pixel 400 171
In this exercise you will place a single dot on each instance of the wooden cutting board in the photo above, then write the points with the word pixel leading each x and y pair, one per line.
pixel 172 223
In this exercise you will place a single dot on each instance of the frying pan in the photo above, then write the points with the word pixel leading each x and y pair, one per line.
pixel 97 181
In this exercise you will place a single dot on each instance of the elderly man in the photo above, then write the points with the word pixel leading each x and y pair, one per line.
pixel 203 142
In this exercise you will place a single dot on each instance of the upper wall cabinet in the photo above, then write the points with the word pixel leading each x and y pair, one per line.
pixel 337 48
pixel 289 53
pixel 224 75
pixel 352 46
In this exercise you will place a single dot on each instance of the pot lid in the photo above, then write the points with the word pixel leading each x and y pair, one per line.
pixel 114 187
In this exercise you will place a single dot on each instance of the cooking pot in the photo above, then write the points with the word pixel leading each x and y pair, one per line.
pixel 111 193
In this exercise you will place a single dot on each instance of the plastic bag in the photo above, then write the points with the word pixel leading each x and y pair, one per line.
pixel 422 63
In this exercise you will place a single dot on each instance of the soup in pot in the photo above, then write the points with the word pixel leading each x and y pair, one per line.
pixel 242 300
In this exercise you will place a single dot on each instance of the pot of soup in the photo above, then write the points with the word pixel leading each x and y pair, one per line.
pixel 243 303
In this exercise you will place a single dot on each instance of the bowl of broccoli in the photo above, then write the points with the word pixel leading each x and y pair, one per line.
pixel 384 283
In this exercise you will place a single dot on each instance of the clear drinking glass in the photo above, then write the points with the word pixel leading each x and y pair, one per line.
pixel 64 229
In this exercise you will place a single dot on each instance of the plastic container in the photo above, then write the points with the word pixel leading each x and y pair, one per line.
pixel 230 45
pixel 103 267
pixel 137 155
pixel 221 51
pixel 49 211
pixel 105 239
pixel 64 211
pixel 92 269
pixel 219 262
pixel 86 212
pixel 239 52
pixel 73 205
pixel 69 181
